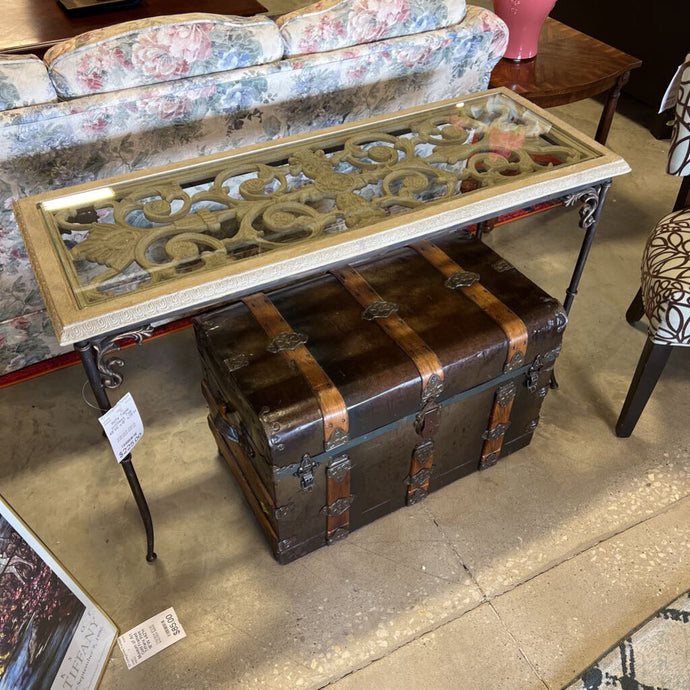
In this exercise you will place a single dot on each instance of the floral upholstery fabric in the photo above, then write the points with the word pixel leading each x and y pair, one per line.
pixel 679 153
pixel 159 49
pixel 333 24
pixel 101 135
pixel 24 81
pixel 666 280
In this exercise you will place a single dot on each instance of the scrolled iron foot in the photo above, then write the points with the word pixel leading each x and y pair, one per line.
pixel 105 349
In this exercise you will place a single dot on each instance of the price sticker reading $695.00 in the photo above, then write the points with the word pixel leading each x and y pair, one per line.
pixel 123 426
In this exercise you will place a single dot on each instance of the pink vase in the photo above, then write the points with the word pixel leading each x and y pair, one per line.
pixel 524 19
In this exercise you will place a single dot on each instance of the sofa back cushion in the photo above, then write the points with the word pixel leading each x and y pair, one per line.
pixel 160 49
pixel 333 24
pixel 24 81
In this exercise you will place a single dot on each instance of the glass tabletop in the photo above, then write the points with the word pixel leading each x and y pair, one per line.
pixel 132 235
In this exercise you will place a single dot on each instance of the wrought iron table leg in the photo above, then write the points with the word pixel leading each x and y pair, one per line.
pixel 592 200
pixel 87 353
pixel 485 226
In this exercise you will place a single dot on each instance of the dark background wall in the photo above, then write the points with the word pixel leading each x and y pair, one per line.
pixel 656 31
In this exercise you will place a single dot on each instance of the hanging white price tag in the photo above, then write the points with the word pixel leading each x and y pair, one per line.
pixel 123 426
pixel 671 96
pixel 150 637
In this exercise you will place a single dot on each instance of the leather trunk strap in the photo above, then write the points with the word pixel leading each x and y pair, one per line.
pixel 331 402
pixel 498 425
pixel 510 323
pixel 420 472
pixel 384 313
pixel 339 498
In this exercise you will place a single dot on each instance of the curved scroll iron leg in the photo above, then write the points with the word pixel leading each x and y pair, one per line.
pixel 89 354
pixel 592 200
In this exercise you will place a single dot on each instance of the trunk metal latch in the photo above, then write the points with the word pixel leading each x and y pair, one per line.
pixel 305 472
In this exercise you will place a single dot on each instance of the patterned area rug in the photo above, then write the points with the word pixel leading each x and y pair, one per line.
pixel 654 656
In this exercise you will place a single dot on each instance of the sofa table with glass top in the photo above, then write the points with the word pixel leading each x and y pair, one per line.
pixel 114 257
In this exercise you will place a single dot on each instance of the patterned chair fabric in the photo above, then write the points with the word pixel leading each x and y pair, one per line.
pixel 24 81
pixel 666 258
pixel 159 49
pixel 333 24
pixel 105 134
pixel 666 280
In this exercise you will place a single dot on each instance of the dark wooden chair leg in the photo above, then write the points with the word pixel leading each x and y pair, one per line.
pixel 683 198
pixel 649 368
pixel 636 309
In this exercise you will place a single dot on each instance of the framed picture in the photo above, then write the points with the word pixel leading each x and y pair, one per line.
pixel 52 635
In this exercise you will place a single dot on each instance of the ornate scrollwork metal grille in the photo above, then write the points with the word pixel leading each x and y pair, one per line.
pixel 179 222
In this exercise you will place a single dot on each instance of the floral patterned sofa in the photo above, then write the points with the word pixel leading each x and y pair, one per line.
pixel 154 91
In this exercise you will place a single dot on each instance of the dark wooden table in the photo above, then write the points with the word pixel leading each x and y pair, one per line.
pixel 568 67
pixel 32 26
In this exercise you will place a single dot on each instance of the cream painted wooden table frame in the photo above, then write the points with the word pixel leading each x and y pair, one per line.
pixel 115 256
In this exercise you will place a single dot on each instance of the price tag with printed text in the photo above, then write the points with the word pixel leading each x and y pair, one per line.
pixel 149 637
pixel 670 97
pixel 123 426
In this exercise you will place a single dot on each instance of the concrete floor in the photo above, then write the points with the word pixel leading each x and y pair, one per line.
pixel 517 577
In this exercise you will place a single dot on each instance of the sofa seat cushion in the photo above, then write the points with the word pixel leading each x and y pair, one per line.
pixel 333 24
pixel 24 81
pixel 160 49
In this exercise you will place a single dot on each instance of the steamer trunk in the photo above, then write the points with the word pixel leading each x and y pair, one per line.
pixel 340 398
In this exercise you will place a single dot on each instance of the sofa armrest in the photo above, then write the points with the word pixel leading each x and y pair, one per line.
pixel 483 20
pixel 24 81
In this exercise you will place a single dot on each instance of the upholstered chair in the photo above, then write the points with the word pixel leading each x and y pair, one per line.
pixel 665 293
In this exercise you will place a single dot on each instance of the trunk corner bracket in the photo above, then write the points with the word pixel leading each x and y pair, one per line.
pixel 434 387
pixel 496 432
pixel 379 310
pixel 420 478
pixel 337 535
pixel 461 279
pixel 338 469
pixel 489 461
pixel 286 341
pixel 506 393
pixel 338 507
pixel 337 438
pixel 417 496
